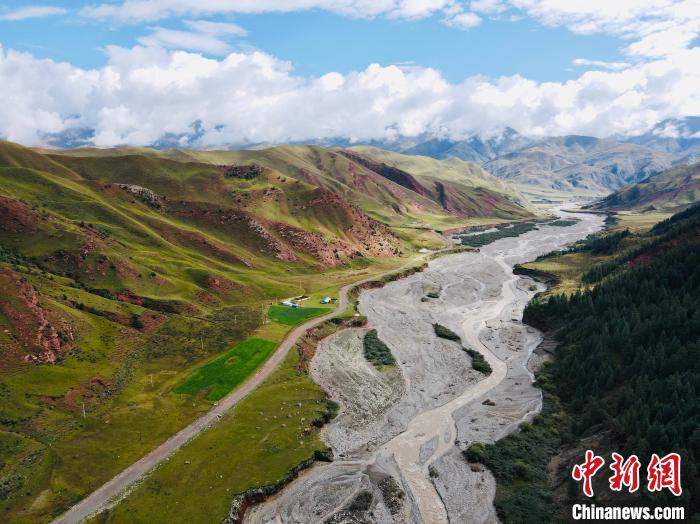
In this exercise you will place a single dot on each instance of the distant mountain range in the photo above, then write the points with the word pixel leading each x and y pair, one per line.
pixel 559 167
pixel 572 164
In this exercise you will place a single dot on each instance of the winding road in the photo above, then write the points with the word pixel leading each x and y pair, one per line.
pixel 113 490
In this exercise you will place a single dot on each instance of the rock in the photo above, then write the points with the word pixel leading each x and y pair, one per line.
pixel 144 194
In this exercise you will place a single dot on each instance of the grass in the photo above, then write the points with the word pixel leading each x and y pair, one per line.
pixel 294 316
pixel 229 370
pixel 376 351
pixel 636 222
pixel 261 439
pixel 567 270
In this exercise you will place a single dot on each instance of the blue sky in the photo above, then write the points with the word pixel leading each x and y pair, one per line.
pixel 317 42
pixel 216 73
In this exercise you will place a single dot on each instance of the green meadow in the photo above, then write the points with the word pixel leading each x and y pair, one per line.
pixel 229 370
pixel 256 443
pixel 293 316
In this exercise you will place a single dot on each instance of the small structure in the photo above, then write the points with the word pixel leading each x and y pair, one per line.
pixel 291 304
pixel 326 300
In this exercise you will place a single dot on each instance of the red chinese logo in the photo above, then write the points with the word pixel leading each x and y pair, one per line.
pixel 587 471
pixel 661 473
pixel 665 473
pixel 625 473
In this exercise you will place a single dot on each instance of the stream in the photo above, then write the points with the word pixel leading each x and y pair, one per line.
pixel 401 430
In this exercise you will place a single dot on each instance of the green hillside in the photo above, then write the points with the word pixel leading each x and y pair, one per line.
pixel 624 311
pixel 670 191
pixel 133 282
pixel 474 192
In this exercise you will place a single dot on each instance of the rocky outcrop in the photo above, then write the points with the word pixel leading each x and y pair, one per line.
pixel 246 172
pixel 17 217
pixel 278 248
pixel 32 330
pixel 144 194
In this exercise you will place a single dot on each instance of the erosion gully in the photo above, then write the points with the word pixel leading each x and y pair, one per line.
pixel 399 437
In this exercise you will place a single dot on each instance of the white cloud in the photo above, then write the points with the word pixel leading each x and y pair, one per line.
pixel 146 93
pixel 33 11
pixel 488 6
pixel 140 10
pixel 208 37
pixel 191 40
pixel 600 64
pixel 216 28
pixel 654 28
pixel 463 20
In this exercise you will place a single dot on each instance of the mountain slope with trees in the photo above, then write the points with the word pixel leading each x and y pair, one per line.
pixel 625 377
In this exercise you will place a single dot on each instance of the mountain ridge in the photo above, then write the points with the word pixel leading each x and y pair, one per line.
pixel 670 191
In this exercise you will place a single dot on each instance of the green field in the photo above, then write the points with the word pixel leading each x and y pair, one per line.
pixel 293 316
pixel 228 370
pixel 256 443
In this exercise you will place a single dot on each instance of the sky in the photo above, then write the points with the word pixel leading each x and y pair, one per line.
pixel 217 73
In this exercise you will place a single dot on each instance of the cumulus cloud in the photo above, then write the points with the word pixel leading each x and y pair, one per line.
pixel 32 11
pixel 146 93
pixel 653 28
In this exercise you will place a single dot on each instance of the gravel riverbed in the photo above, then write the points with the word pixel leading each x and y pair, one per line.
pixel 400 432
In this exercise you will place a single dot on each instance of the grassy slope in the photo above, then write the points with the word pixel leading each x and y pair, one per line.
pixel 261 439
pixel 669 192
pixel 448 170
pixel 87 236
pixel 466 187
pixel 196 279
pixel 380 198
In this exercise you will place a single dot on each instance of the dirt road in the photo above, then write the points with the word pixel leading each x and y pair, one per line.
pixel 110 492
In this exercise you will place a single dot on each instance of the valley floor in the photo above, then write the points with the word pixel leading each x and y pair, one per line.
pixel 400 431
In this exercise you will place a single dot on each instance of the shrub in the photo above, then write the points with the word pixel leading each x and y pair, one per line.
pixel 479 363
pixel 443 332
pixel 376 351
pixel 136 322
